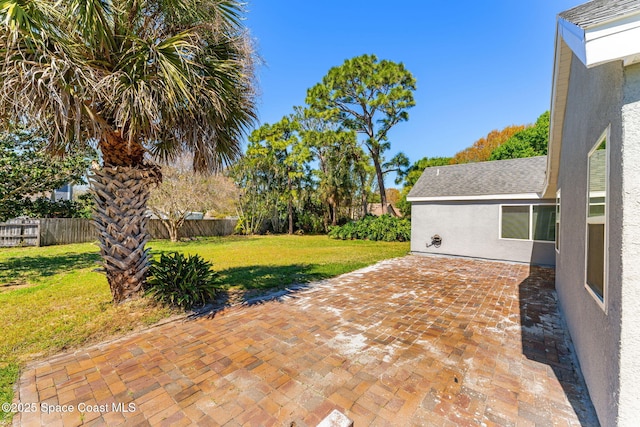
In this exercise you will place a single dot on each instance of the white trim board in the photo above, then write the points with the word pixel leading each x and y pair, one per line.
pixel 520 196
pixel 607 42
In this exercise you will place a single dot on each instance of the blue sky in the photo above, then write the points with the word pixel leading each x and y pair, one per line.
pixel 479 65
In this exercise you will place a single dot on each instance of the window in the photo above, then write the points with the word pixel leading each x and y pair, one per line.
pixel 528 222
pixel 544 222
pixel 515 222
pixel 596 219
pixel 558 221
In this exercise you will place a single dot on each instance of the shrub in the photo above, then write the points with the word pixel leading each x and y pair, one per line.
pixel 183 281
pixel 386 228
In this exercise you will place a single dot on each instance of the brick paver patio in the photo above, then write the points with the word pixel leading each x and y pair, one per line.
pixel 423 341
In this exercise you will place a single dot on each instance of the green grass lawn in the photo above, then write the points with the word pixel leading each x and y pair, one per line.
pixel 51 299
pixel 263 262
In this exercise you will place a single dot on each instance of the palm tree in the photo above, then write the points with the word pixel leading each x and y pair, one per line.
pixel 140 79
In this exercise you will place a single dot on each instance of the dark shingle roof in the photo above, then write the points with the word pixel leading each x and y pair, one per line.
pixel 599 11
pixel 516 176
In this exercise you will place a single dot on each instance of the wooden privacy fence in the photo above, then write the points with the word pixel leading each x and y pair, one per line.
pixel 194 228
pixel 61 231
pixel 20 232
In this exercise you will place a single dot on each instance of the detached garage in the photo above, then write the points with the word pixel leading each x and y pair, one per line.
pixel 492 210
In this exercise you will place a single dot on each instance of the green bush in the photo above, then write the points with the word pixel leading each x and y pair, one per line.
pixel 386 228
pixel 183 281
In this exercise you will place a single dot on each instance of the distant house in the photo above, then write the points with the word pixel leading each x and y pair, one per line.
pixel 593 174
pixel 492 210
pixel 187 215
pixel 63 193
pixel 377 209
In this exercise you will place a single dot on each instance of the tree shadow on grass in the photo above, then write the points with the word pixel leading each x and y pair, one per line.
pixel 19 269
pixel 269 276
pixel 257 284
pixel 158 246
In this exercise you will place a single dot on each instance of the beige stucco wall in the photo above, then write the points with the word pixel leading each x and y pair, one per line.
pixel 594 103
pixel 630 331
pixel 472 229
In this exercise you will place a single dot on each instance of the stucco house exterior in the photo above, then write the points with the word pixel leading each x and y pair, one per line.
pixel 592 173
pixel 491 210
pixel 595 124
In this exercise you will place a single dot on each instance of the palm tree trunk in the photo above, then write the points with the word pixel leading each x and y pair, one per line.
pixel 121 194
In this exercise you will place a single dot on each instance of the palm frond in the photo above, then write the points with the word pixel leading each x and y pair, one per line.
pixel 162 79
pixel 93 20
pixel 25 19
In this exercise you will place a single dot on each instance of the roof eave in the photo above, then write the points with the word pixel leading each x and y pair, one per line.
pixel 481 197
pixel 605 42
pixel 614 40
pixel 574 37
pixel 560 89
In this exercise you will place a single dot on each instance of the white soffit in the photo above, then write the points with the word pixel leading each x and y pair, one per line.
pixel 611 41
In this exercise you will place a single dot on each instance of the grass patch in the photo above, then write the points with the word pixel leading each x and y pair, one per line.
pixel 52 299
pixel 263 262
pixel 8 377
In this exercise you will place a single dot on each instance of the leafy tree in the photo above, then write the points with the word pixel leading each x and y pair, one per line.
pixel 43 207
pixel 142 78
pixel 482 149
pixel 271 175
pixel 27 170
pixel 529 142
pixel 393 195
pixel 254 177
pixel 516 148
pixel 183 191
pixel 398 164
pixel 337 154
pixel 289 158
pixel 304 170
pixel 369 97
pixel 415 171
pixel 411 177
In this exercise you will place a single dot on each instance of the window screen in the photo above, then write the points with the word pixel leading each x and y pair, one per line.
pixel 515 222
pixel 544 223
pixel 596 219
pixel 595 258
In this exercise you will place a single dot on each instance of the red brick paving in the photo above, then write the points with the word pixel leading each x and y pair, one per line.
pixel 426 341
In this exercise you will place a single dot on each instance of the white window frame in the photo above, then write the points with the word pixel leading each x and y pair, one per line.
pixel 604 219
pixel 558 219
pixel 531 231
